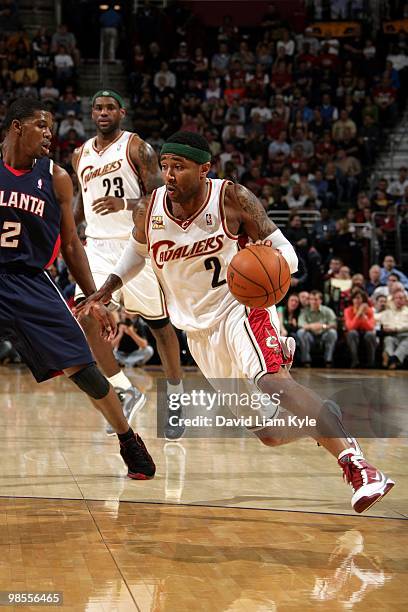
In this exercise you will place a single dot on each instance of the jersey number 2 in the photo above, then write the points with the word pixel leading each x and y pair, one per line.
pixel 9 231
pixel 213 263
pixel 118 190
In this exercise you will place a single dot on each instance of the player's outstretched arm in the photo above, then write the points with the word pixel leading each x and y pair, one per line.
pixel 131 262
pixel 74 252
pixel 248 214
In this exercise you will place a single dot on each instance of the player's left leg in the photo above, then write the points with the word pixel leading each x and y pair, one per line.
pixel 369 484
pixel 168 348
pixel 255 346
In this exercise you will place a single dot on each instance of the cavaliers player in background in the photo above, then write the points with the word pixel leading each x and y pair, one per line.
pixel 115 170
pixel 191 247
pixel 36 220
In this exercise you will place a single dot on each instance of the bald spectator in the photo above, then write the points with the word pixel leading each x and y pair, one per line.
pixel 374 275
pixel 392 291
pixel 394 323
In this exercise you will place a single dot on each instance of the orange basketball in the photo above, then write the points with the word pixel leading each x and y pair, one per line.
pixel 258 276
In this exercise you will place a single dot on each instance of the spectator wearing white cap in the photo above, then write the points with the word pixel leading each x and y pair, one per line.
pixel 71 123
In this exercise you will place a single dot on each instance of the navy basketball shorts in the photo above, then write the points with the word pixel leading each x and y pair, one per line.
pixel 36 319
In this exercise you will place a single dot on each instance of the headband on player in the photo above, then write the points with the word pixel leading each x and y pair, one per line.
pixel 108 93
pixel 184 150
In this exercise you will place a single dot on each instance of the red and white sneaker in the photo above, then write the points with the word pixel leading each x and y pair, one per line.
pixel 369 484
pixel 288 346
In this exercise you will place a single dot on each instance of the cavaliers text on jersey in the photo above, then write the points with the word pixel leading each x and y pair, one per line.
pixel 108 172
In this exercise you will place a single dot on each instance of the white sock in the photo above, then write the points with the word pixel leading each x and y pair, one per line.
pixel 175 388
pixel 120 380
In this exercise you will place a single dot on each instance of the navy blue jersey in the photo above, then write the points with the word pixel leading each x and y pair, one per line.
pixel 30 218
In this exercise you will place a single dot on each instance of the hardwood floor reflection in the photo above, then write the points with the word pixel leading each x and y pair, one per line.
pixel 126 556
pixel 227 524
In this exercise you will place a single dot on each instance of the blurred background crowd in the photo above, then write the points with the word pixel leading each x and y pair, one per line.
pixel 297 111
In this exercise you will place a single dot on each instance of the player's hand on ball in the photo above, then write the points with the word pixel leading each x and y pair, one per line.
pixel 107 205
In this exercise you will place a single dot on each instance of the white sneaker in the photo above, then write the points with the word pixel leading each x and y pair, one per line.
pixel 132 401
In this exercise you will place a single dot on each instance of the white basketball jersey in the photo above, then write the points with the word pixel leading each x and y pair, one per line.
pixel 108 172
pixel 190 258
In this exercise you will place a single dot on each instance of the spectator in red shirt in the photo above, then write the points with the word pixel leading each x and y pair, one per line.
pixel 275 126
pixel 328 60
pixel 385 96
pixel 235 92
pixel 360 324
pixel 281 79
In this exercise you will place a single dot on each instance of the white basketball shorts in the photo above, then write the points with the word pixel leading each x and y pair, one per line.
pixel 244 344
pixel 235 353
pixel 141 296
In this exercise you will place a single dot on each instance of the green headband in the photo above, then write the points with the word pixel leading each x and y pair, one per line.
pixel 185 150
pixel 108 93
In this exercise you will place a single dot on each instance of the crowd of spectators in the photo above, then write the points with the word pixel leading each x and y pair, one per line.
pixel 296 117
pixel 356 321
pixel 43 67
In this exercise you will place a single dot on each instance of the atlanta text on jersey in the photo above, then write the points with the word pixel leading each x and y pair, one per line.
pixel 23 201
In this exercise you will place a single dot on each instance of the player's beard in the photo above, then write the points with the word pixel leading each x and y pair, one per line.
pixel 109 129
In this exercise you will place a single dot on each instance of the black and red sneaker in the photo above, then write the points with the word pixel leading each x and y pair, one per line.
pixel 140 464
pixel 369 484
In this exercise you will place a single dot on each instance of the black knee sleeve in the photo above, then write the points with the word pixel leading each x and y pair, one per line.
pixel 91 380
pixel 156 323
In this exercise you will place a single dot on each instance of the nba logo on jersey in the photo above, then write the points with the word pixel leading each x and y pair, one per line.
pixel 39 183
pixel 209 219
pixel 157 222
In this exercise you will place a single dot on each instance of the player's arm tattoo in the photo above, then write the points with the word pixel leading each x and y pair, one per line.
pixel 77 202
pixel 254 220
pixel 78 208
pixel 148 167
pixel 139 220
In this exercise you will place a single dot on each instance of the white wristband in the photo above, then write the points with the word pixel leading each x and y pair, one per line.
pixel 131 262
pixel 280 242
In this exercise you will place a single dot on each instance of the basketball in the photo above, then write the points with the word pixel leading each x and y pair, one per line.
pixel 258 276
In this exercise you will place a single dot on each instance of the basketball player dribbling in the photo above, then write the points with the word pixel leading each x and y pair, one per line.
pixel 115 169
pixel 190 229
pixel 35 221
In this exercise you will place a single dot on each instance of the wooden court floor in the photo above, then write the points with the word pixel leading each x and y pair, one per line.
pixel 226 525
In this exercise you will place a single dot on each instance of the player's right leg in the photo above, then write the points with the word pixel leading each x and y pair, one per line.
pixel 102 256
pixel 43 330
pixel 102 395
pixel 131 398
